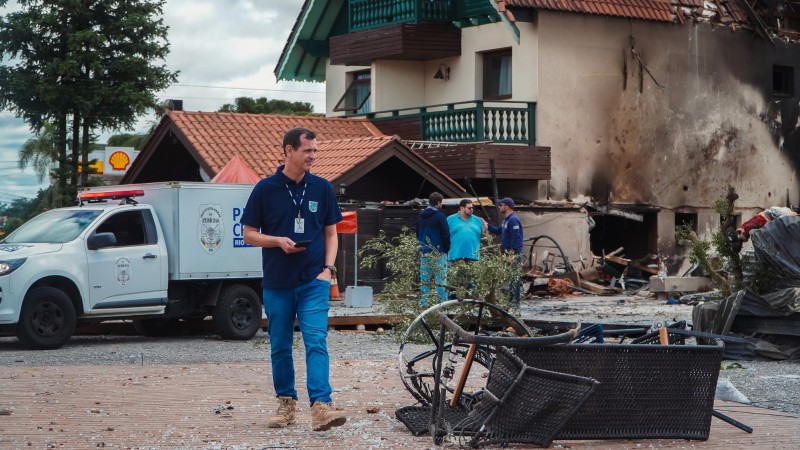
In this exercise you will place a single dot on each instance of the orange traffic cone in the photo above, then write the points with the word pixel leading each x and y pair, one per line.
pixel 335 295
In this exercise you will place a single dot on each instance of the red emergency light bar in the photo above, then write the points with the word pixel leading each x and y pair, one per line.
pixel 110 195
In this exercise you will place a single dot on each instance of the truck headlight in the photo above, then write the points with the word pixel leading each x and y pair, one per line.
pixel 8 266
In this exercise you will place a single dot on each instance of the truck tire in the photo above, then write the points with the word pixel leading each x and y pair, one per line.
pixel 237 315
pixel 47 319
pixel 155 327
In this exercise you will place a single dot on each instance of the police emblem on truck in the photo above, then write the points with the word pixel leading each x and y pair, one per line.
pixel 123 270
pixel 210 228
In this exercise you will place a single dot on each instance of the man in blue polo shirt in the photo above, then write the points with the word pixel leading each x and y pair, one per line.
pixel 466 230
pixel 292 215
pixel 511 242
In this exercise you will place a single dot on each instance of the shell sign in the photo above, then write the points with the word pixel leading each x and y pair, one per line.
pixel 118 160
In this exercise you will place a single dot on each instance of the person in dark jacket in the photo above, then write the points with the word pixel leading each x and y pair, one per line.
pixel 511 242
pixel 433 235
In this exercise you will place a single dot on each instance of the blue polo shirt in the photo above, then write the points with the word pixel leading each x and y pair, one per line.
pixel 465 237
pixel 273 207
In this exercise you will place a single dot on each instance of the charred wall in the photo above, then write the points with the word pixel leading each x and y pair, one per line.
pixel 667 115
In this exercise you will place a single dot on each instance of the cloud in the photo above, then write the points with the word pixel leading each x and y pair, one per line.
pixel 222 49
pixel 227 44
pixel 14 182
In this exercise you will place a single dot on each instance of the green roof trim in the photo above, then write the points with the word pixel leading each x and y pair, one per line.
pixel 511 25
pixel 301 60
pixel 303 57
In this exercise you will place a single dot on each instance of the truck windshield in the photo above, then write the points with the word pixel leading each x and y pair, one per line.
pixel 56 226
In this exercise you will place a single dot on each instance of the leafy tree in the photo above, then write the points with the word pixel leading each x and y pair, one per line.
pixel 128 140
pixel 264 106
pixel 718 259
pixel 17 212
pixel 82 65
pixel 40 151
pixel 480 279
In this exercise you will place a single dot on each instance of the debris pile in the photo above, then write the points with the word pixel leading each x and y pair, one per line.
pixel 608 274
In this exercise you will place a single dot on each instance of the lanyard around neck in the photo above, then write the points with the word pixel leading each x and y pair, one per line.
pixel 302 197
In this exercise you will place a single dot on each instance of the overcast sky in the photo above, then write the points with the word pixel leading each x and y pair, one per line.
pixel 223 49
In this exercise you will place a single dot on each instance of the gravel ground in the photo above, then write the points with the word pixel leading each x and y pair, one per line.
pixel 768 384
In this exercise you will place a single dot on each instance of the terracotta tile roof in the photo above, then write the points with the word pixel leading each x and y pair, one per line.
pixel 257 138
pixel 339 156
pixel 660 10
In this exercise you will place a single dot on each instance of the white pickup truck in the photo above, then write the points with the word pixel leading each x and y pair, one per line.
pixel 156 253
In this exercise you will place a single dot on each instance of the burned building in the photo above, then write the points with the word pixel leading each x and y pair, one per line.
pixel 647 110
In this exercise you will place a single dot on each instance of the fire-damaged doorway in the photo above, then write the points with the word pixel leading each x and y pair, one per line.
pixel 636 233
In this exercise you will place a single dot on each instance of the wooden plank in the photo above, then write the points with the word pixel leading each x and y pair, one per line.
pixel 420 42
pixel 618 260
pixel 643 267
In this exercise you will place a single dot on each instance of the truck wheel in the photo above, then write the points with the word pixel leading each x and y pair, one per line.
pixel 47 319
pixel 237 314
pixel 155 327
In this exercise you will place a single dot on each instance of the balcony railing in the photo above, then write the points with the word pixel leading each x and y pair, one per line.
pixel 474 121
pixel 366 14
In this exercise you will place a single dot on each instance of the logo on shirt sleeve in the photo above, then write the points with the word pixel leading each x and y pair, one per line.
pixel 312 206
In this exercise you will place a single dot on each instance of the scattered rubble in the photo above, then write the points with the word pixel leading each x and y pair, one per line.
pixel 608 274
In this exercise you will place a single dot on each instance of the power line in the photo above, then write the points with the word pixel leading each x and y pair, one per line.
pixel 247 89
pixel 183 97
pixel 205 86
pixel 6 194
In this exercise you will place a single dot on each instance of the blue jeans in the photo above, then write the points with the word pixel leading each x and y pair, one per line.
pixel 436 268
pixel 516 281
pixel 309 303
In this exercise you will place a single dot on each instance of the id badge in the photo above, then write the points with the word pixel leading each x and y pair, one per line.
pixel 299 225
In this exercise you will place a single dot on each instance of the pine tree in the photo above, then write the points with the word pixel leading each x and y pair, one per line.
pixel 83 65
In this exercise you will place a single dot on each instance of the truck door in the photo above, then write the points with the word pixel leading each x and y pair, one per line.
pixel 132 273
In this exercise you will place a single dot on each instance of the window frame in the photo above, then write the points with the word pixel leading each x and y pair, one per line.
pixel 355 83
pixel 488 57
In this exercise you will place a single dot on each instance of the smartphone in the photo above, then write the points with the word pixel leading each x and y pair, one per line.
pixel 303 244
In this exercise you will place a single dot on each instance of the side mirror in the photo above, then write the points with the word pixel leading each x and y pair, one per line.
pixel 101 240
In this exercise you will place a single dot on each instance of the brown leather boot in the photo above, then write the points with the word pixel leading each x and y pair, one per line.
pixel 285 414
pixel 325 416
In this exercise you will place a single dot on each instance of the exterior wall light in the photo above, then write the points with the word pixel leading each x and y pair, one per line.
pixel 443 73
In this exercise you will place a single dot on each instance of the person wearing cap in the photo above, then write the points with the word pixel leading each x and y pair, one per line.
pixel 433 235
pixel 510 241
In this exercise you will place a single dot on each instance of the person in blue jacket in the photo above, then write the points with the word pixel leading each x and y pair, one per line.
pixel 433 235
pixel 510 242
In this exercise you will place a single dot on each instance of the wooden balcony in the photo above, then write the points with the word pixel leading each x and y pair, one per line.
pixel 462 138
pixel 402 41
pixel 501 122
pixel 474 161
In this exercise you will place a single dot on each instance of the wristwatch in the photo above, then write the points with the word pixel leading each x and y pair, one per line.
pixel 329 267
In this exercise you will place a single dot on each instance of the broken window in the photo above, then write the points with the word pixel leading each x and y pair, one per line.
pixel 355 97
pixel 782 81
pixel 736 223
pixel 497 74
pixel 687 221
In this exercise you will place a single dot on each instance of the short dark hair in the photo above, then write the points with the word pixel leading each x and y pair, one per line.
pixel 464 202
pixel 292 137
pixel 435 198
